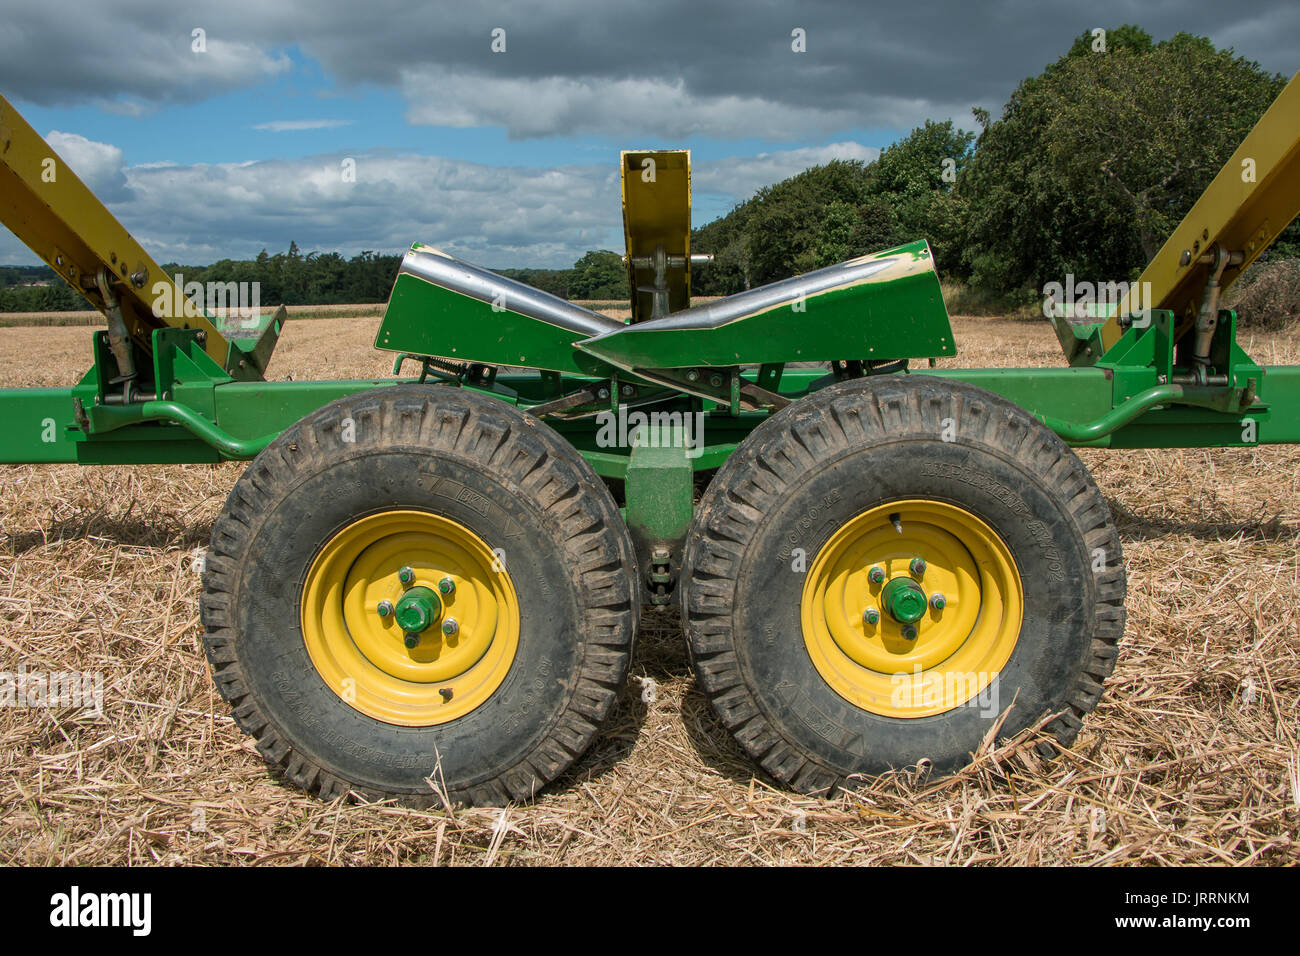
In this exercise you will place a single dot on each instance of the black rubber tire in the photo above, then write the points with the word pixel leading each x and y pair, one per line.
pixel 835 454
pixel 508 478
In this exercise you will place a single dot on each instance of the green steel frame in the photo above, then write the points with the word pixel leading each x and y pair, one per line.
pixel 1137 396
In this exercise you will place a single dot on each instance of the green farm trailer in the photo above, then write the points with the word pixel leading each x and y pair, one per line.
pixel 428 587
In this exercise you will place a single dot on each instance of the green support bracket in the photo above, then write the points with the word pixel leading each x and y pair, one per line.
pixel 659 490
pixel 769 376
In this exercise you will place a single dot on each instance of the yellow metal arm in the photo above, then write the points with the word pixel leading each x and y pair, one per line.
pixel 51 210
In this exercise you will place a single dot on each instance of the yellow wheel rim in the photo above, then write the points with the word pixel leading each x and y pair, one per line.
pixel 468 631
pixel 914 659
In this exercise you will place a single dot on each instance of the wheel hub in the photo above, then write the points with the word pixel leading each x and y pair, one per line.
pixel 417 610
pixel 904 600
pixel 911 608
pixel 377 618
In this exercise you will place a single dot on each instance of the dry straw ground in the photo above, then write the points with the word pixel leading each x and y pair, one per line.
pixel 1190 758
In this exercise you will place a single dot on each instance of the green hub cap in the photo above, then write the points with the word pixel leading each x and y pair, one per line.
pixel 418 608
pixel 904 600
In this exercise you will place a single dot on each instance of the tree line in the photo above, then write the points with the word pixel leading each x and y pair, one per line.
pixel 1088 169
pixel 317 278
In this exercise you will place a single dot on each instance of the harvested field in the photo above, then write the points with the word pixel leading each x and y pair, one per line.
pixel 1193 755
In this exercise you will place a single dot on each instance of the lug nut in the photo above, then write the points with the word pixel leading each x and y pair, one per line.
pixel 909 632
pixel 871 616
pixel 876 575
pixel 411 640
pixel 938 601
pixel 385 608
pixel 405 575
pixel 446 585
pixel 450 627
pixel 917 567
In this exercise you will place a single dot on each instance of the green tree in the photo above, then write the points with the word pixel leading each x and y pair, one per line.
pixel 599 275
pixel 914 185
pixel 784 223
pixel 1094 162
pixel 843 209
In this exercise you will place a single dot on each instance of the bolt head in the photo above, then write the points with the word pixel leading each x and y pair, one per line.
pixel 938 601
pixel 876 575
pixel 450 627
pixel 385 608
pixel 871 616
pixel 909 632
pixel 406 575
pixel 917 567
pixel 715 381
pixel 693 375
pixel 447 585
pixel 411 640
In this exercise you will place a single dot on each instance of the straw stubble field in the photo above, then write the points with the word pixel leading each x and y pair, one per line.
pixel 1190 758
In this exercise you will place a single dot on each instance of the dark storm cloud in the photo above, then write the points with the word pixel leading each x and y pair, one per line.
pixel 609 67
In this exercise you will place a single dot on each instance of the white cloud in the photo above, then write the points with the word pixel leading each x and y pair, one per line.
pixel 293 126
pixel 98 165
pixel 739 177
pixel 556 105
pixel 497 216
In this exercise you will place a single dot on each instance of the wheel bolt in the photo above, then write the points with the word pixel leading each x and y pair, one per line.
pixel 411 640
pixel 446 585
pixel 450 627
pixel 917 567
pixel 909 632
pixel 876 575
pixel 385 608
pixel 871 616
pixel 405 575
pixel 938 601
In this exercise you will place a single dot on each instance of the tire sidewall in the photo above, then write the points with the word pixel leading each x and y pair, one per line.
pixel 1050 555
pixel 500 733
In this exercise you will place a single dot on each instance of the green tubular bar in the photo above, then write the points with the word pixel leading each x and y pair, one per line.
pixel 200 427
pixel 1116 418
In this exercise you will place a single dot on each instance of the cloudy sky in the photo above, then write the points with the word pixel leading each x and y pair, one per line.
pixel 223 142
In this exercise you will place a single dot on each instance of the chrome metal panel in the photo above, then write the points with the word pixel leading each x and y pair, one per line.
pixel 456 275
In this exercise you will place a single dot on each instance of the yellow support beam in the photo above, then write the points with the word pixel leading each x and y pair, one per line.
pixel 1253 198
pixel 50 209
pixel 657 216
